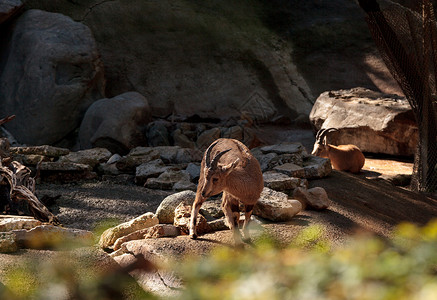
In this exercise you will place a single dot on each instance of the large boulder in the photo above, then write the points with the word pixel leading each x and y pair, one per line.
pixel 9 8
pixel 375 122
pixel 51 75
pixel 166 210
pixel 177 55
pixel 116 123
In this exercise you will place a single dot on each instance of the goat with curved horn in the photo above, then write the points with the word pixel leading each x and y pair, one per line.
pixel 234 171
pixel 343 157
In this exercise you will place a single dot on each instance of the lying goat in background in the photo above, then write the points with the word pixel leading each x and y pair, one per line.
pixel 234 171
pixel 343 157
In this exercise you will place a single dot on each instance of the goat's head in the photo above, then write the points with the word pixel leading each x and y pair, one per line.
pixel 215 175
pixel 321 144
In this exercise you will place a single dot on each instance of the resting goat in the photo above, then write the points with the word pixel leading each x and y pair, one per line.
pixel 343 157
pixel 234 171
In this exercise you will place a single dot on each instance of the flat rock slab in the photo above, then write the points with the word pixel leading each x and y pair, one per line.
pixel 282 182
pixel 90 157
pixel 48 236
pixel 291 169
pixel 44 150
pixel 10 222
pixel 375 122
pixel 285 148
pixel 64 166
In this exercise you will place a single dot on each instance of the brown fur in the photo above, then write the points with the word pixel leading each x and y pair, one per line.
pixel 238 175
pixel 343 157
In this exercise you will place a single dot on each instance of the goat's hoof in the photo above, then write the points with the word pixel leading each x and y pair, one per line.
pixel 193 236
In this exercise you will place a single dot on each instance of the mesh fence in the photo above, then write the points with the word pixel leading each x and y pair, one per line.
pixel 407 41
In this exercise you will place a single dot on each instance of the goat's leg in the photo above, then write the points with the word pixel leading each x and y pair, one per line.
pixel 194 212
pixel 247 213
pixel 231 211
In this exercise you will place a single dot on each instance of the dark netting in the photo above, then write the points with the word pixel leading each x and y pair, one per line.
pixel 407 41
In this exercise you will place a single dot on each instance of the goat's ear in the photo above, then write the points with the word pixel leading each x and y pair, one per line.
pixel 229 167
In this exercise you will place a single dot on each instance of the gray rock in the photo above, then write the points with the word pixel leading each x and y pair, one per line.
pixel 165 211
pixel 119 178
pixel 64 167
pixel 218 225
pixel 153 168
pixel 281 182
pixel 207 137
pixel 281 159
pixel 275 206
pixel 316 167
pixel 9 8
pixel 182 140
pixel 130 162
pixel 113 159
pixel 90 157
pixel 184 185
pixel 116 123
pixel 211 209
pixel 291 170
pixel 234 132
pixel 65 172
pixel 187 155
pixel 315 198
pixel 375 122
pixel 108 169
pixel 167 180
pixel 245 74
pixel 157 134
pixel 285 148
pixel 194 170
pixel 265 160
pixel 167 153
pixel 52 70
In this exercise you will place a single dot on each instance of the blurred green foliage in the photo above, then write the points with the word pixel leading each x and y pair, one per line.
pixel 364 267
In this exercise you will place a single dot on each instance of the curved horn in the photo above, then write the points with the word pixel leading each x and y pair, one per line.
pixel 208 154
pixel 216 158
pixel 322 132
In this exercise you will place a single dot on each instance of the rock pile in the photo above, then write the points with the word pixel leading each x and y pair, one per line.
pixel 286 167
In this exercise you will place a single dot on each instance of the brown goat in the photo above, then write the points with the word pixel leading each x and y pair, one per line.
pixel 343 157
pixel 234 171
